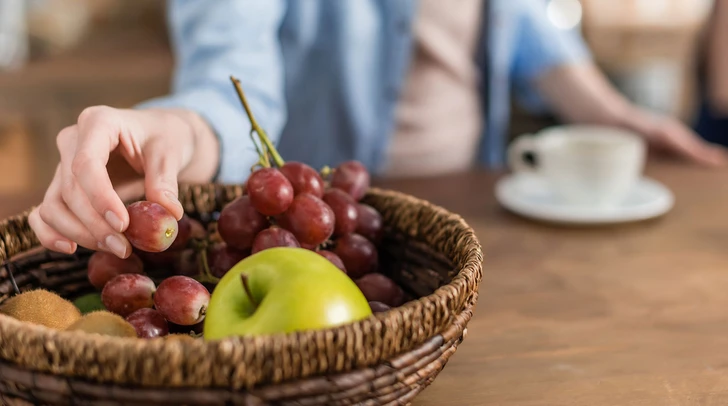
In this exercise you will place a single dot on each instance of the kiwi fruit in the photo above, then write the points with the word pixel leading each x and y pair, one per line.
pixel 104 323
pixel 41 307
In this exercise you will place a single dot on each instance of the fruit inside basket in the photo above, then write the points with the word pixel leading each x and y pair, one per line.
pixel 300 287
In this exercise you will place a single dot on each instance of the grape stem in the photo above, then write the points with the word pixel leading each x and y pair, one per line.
pixel 206 276
pixel 267 147
pixel 248 292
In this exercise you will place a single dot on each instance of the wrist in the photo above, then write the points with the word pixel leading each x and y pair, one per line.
pixel 205 150
pixel 635 119
pixel 206 156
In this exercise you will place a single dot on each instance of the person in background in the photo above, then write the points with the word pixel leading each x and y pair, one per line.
pixel 712 120
pixel 406 87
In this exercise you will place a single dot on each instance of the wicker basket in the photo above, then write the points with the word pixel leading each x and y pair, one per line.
pixel 386 359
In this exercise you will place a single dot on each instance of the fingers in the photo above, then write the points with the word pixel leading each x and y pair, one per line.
pixel 161 169
pixel 689 145
pixel 79 204
pixel 48 237
pixel 98 135
pixel 55 214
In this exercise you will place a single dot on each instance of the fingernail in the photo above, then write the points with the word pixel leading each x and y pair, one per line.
pixel 172 198
pixel 64 246
pixel 113 220
pixel 116 245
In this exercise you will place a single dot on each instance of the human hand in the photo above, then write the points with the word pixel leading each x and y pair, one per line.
pixel 669 134
pixel 83 207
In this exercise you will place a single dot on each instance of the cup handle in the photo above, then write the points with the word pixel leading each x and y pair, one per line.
pixel 522 145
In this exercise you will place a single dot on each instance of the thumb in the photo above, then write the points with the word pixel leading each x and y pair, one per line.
pixel 162 164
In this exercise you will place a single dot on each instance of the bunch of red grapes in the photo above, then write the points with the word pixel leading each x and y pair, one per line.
pixel 290 206
pixel 294 206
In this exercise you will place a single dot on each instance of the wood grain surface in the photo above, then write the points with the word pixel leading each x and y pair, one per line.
pixel 625 315
pixel 628 315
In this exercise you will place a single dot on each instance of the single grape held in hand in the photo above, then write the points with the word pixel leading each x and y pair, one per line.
pixel 151 227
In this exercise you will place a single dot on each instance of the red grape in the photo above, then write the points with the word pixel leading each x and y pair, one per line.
pixel 151 227
pixel 345 211
pixel 379 307
pixel 303 178
pixel 184 231
pixel 309 219
pixel 239 223
pixel 182 300
pixel 148 323
pixel 102 267
pixel 187 264
pixel 274 237
pixel 378 288
pixel 370 223
pixel 351 177
pixel 333 258
pixel 197 230
pixel 270 192
pixel 221 258
pixel 127 293
pixel 184 235
pixel 358 254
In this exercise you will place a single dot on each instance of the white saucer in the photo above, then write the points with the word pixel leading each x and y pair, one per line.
pixel 529 196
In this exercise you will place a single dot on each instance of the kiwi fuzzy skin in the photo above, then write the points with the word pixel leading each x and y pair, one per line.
pixel 104 323
pixel 41 307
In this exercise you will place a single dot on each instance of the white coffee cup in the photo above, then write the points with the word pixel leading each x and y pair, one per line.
pixel 582 164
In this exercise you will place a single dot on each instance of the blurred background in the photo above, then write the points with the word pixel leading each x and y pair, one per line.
pixel 59 56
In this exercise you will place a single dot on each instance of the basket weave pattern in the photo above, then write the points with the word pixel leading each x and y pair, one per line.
pixel 388 358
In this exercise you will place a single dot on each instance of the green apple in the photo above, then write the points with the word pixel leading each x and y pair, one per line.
pixel 282 290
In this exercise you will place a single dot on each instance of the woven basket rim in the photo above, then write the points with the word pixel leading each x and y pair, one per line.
pixel 469 268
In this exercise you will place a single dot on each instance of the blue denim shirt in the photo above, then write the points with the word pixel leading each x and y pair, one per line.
pixel 323 76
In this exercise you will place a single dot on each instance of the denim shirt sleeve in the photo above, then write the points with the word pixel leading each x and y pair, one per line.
pixel 541 46
pixel 212 40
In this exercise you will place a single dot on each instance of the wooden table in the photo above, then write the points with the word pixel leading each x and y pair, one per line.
pixel 628 315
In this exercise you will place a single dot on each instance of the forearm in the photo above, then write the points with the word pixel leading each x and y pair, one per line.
pixel 213 40
pixel 579 93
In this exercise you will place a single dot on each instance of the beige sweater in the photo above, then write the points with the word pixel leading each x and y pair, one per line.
pixel 438 120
